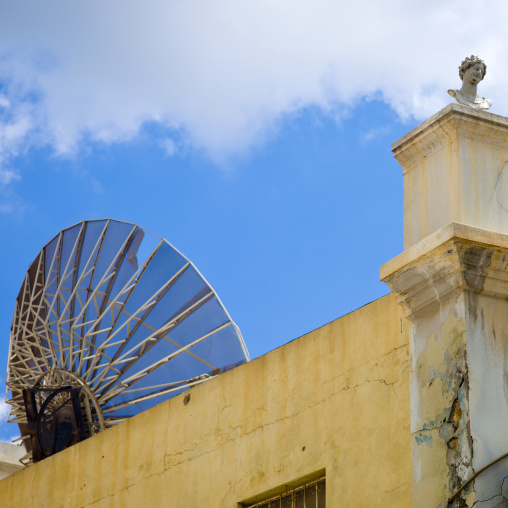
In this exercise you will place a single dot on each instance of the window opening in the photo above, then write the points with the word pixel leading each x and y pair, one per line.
pixel 310 495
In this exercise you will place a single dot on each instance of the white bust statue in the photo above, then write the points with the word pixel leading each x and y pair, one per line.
pixel 471 71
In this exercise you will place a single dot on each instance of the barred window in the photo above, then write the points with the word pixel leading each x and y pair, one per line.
pixel 310 495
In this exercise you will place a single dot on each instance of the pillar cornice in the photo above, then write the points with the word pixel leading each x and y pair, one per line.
pixel 447 128
pixel 456 257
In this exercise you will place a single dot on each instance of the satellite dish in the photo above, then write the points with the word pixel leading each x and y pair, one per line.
pixel 109 321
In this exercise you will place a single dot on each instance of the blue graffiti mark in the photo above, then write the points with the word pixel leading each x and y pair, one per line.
pixel 424 438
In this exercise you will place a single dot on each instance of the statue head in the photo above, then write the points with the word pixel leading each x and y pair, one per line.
pixel 469 62
pixel 471 71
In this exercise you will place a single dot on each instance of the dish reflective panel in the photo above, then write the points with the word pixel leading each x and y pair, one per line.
pixel 119 313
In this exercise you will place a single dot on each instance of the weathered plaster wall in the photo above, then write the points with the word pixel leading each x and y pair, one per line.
pixel 440 433
pixel 335 399
pixel 487 351
pixel 454 287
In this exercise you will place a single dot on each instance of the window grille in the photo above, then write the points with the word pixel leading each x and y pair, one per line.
pixel 310 495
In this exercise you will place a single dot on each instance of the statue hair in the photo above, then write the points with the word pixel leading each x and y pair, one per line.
pixel 469 62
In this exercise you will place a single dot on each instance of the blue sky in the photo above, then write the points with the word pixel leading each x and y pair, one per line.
pixel 254 136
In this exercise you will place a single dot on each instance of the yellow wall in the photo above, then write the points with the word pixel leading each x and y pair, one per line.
pixel 335 399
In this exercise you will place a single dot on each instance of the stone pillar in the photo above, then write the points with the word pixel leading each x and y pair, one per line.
pixel 455 167
pixel 452 281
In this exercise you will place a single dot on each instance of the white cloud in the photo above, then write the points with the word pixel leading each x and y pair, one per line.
pixel 225 72
pixel 10 203
pixel 169 147
pixel 7 176
pixel 374 133
pixel 4 410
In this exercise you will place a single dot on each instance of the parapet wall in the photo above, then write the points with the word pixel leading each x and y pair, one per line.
pixel 336 399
